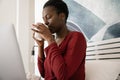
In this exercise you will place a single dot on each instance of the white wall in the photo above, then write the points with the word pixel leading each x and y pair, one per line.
pixel 21 14
pixel 8 11
pixel 25 17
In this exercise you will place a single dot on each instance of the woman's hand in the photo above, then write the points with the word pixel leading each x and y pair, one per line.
pixel 39 42
pixel 40 47
pixel 44 32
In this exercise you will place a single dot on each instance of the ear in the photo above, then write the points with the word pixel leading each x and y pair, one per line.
pixel 62 15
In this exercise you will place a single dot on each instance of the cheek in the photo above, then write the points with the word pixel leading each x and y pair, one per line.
pixel 52 22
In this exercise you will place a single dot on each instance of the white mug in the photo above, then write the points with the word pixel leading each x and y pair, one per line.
pixel 37 36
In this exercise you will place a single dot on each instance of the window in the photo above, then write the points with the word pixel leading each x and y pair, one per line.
pixel 38 18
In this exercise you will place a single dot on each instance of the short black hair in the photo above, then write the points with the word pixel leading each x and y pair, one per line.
pixel 60 6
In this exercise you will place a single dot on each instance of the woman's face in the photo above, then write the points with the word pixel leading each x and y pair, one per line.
pixel 52 19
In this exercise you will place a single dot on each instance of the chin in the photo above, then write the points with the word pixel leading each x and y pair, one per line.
pixel 52 31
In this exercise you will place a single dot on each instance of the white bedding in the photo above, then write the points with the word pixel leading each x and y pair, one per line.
pixel 102 70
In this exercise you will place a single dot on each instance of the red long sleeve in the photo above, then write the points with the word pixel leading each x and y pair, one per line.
pixel 66 61
pixel 41 66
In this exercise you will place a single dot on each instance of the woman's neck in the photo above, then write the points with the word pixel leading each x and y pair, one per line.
pixel 60 36
pixel 62 33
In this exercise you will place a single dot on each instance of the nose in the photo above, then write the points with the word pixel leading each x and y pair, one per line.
pixel 46 22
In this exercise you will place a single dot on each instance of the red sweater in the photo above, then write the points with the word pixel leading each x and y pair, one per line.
pixel 66 61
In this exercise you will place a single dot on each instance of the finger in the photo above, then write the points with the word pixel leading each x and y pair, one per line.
pixel 34 36
pixel 38 25
pixel 35 26
pixel 35 30
pixel 33 33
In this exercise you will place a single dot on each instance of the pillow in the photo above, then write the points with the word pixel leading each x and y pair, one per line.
pixel 102 70
pixel 118 77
